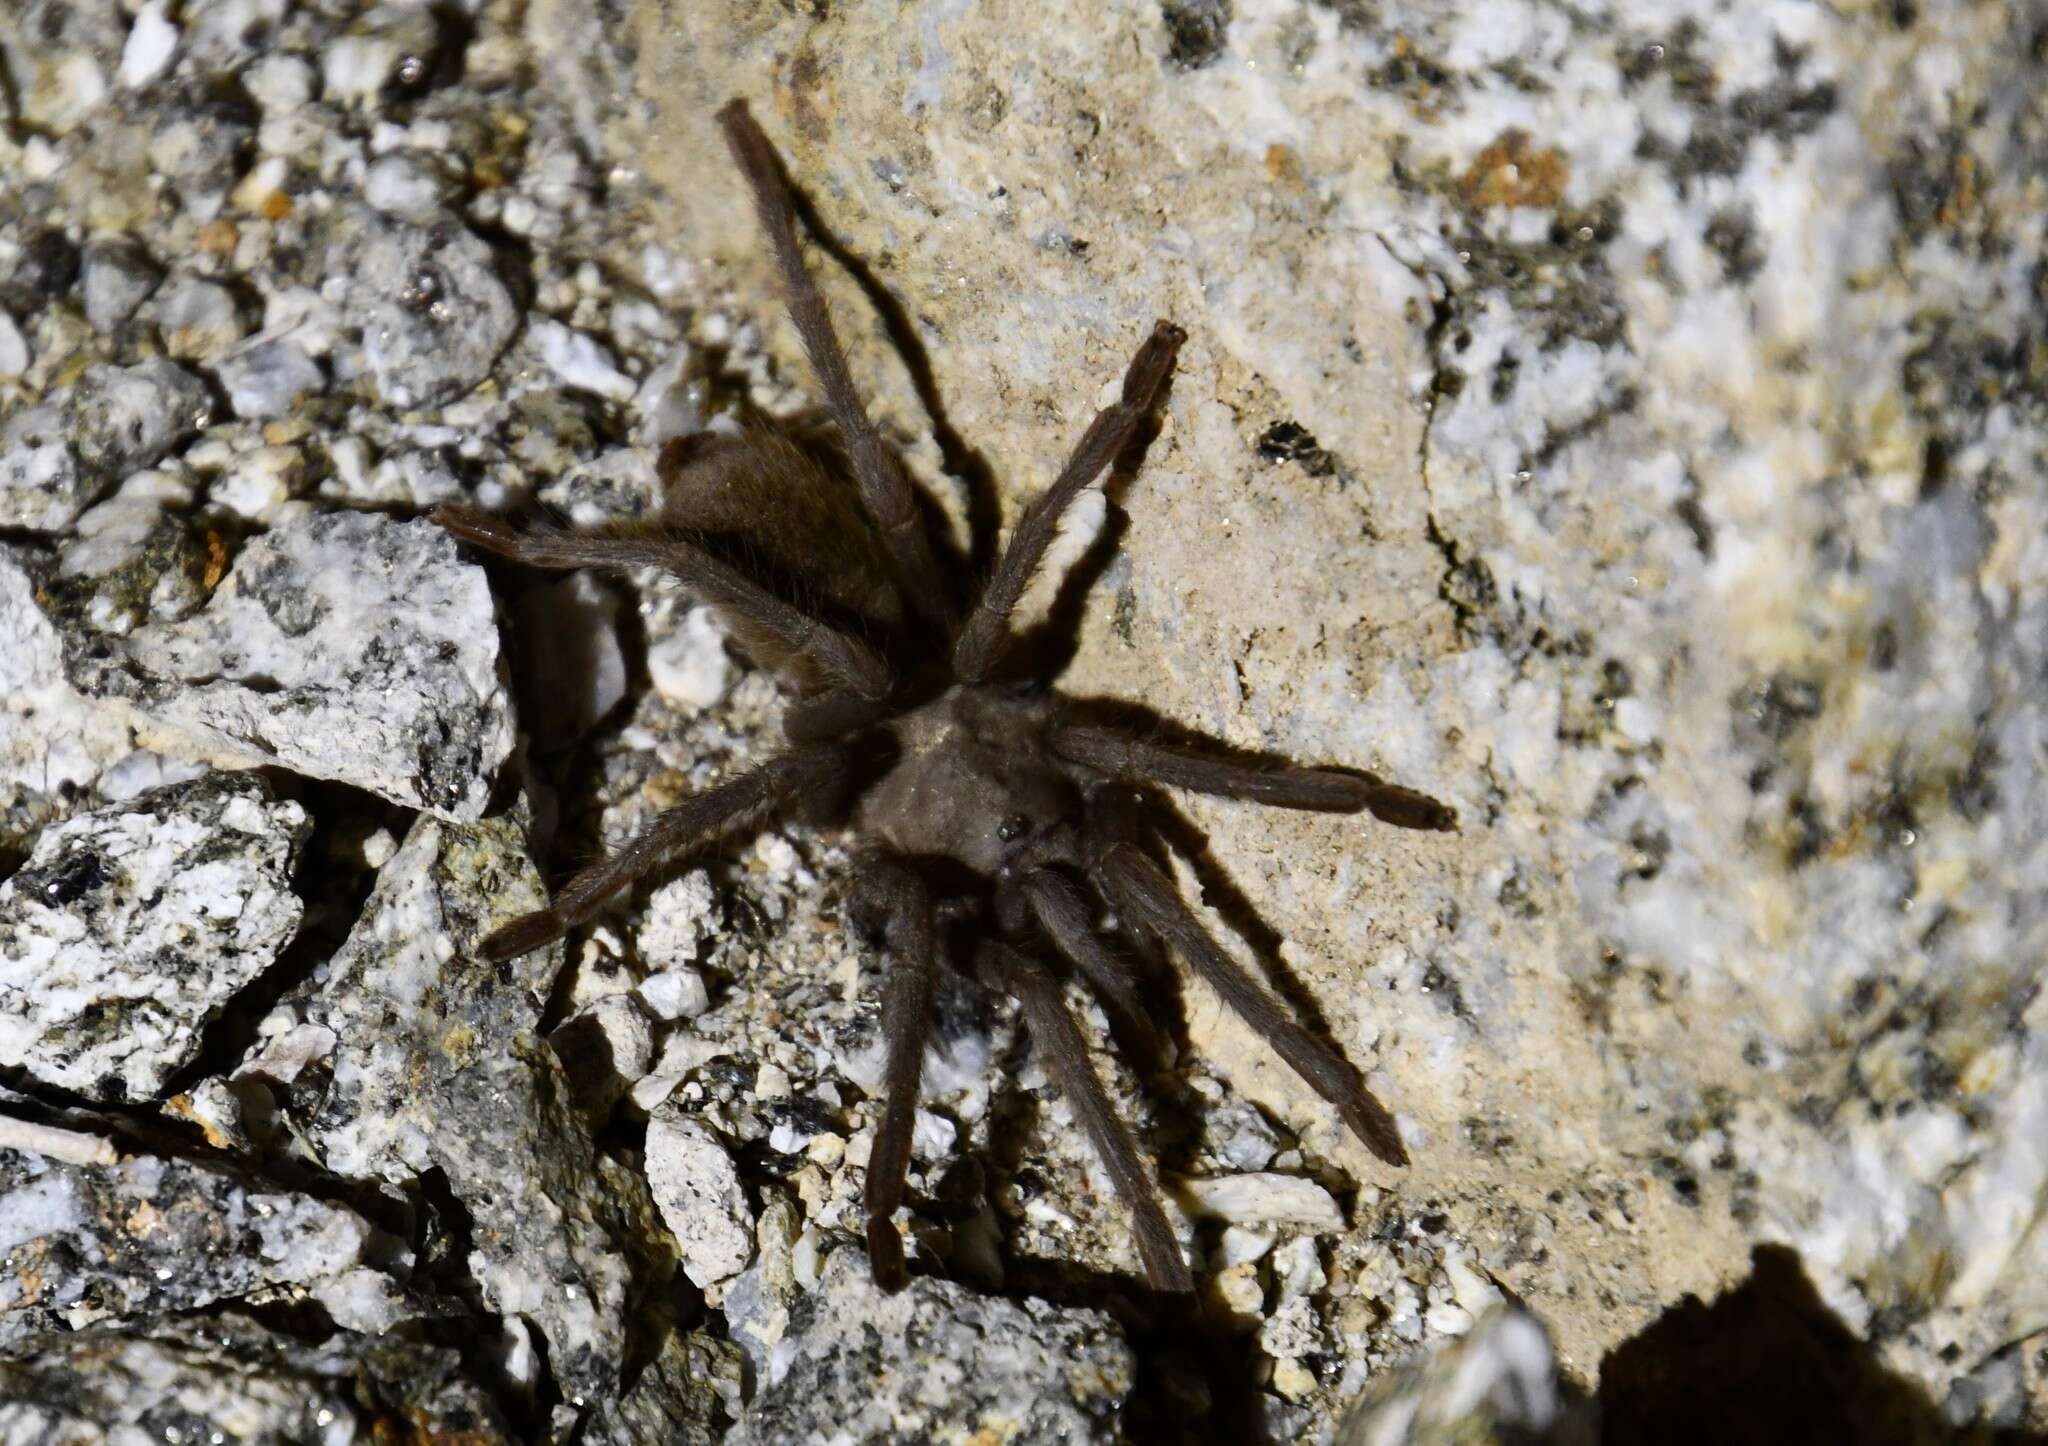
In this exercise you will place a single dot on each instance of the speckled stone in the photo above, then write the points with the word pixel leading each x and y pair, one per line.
pixel 52 741
pixel 430 309
pixel 936 1363
pixel 346 646
pixel 227 1375
pixel 700 1196
pixel 131 926
pixel 144 1236
pixel 55 458
pixel 430 1063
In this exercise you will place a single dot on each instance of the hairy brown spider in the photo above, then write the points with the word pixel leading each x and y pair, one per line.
pixel 990 809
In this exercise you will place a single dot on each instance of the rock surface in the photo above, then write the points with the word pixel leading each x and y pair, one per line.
pixel 1625 423
pixel 344 646
pixel 1627 427
pixel 144 1237
pixel 230 1376
pixel 936 1363
pixel 131 926
pixel 411 1057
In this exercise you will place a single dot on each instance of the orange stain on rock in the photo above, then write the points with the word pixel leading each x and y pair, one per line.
pixel 1511 172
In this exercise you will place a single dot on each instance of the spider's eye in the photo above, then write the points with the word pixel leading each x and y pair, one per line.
pixel 1012 827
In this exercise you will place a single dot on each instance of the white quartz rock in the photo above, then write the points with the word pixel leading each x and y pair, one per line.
pixel 131 926
pixel 1263 1198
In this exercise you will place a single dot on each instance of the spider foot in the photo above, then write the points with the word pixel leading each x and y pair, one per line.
pixel 885 1256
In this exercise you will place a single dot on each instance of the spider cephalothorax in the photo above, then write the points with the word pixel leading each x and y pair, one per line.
pixel 986 807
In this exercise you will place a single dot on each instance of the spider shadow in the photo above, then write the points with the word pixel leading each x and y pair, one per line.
pixel 966 464
pixel 1173 832
pixel 1197 1379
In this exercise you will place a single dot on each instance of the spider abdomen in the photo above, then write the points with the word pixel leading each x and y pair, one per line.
pixel 972 781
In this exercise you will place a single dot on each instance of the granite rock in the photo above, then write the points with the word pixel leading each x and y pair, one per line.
pixel 417 1057
pixel 117 275
pixel 53 741
pixel 936 1362
pixel 698 1191
pixel 145 1236
pixel 228 1376
pixel 344 646
pixel 426 300
pixel 55 458
pixel 131 926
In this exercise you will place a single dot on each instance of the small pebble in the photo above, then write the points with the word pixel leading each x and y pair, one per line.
pixel 199 319
pixel 698 1192
pixel 268 379
pixel 1263 1199
pixel 117 276
pixel 675 994
pixel 14 351
pixel 152 41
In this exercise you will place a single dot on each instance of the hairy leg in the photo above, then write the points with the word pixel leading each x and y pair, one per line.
pixel 988 628
pixel 848 664
pixel 904 905
pixel 1053 1030
pixel 1062 911
pixel 1123 757
pixel 737 802
pixel 830 715
pixel 882 484
pixel 1145 897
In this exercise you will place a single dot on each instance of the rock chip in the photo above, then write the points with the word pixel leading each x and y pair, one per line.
pixel 198 319
pixel 268 379
pixel 605 1047
pixel 132 925
pixel 936 1362
pixel 147 1236
pixel 432 311
pixel 53 742
pixel 118 275
pixel 1263 1198
pixel 15 355
pixel 56 457
pixel 428 1062
pixel 346 646
pixel 699 1193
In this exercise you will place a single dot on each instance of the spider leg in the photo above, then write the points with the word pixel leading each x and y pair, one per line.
pixel 1053 1030
pixel 737 801
pixel 987 631
pixel 882 484
pixel 848 664
pixel 830 715
pixel 905 905
pixel 1144 896
pixel 1328 789
pixel 1064 915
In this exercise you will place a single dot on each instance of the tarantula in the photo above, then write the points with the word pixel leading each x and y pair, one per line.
pixel 996 818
